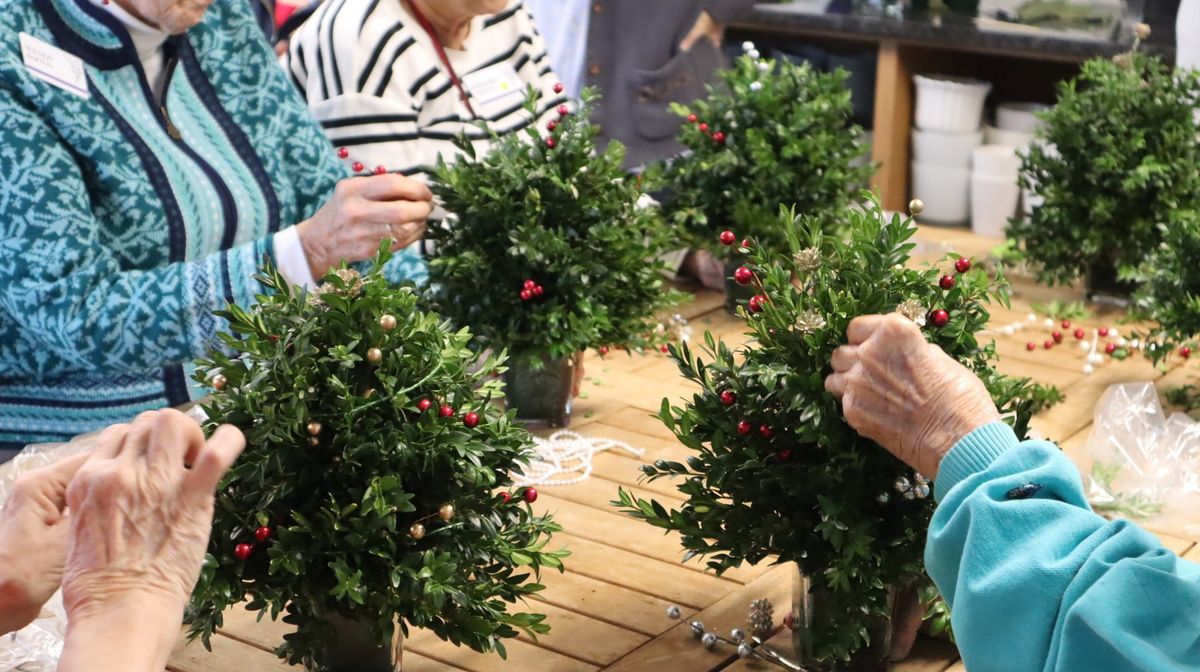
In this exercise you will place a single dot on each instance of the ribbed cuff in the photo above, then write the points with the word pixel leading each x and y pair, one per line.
pixel 972 454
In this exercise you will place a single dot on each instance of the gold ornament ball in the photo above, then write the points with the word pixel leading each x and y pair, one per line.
pixel 314 441
pixel 218 382
pixel 374 355
pixel 916 206
pixel 387 322
pixel 314 428
pixel 446 512
pixel 417 531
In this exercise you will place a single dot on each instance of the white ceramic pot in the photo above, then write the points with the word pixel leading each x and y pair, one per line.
pixel 1019 117
pixel 950 104
pixel 993 201
pixel 999 136
pixel 945 191
pixel 951 150
pixel 996 161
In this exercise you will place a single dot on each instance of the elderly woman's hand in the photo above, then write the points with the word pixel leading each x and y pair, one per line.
pixel 33 541
pixel 906 394
pixel 140 522
pixel 363 212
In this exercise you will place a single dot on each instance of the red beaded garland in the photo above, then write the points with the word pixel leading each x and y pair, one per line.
pixel 558 87
pixel 563 110
pixel 1103 331
pixel 1031 346
pixel 1080 333
pixel 1110 348
pixel 1057 336
pixel 1185 352
pixel 380 170
pixel 357 167
pixel 1066 324
pixel 1048 344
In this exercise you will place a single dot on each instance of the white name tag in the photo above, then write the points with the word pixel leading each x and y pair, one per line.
pixel 54 66
pixel 494 84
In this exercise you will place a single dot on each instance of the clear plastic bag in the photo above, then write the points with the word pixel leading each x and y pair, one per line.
pixel 1144 465
pixel 37 646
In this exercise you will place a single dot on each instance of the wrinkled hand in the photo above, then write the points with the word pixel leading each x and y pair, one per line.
pixel 706 27
pixel 906 394
pixel 33 541
pixel 705 267
pixel 363 212
pixel 140 519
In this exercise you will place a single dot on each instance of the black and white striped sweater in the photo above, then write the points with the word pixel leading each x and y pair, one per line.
pixel 374 80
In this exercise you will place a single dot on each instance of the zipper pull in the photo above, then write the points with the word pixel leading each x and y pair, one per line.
pixel 171 130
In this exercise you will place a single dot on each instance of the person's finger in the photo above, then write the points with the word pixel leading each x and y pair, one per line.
pixel 835 384
pixel 56 477
pixel 861 328
pixel 138 439
pixel 175 437
pixel 108 444
pixel 392 188
pixel 844 358
pixel 218 454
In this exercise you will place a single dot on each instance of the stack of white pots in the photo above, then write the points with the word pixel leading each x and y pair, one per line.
pixel 949 112
pixel 995 193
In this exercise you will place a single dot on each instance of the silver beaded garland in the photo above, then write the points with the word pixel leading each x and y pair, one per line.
pixel 709 640
pixel 674 612
pixel 738 635
pixel 745 650
pixel 902 484
pixel 921 491
pixel 697 629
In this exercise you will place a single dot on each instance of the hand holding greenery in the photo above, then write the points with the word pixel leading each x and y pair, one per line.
pixel 769 132
pixel 551 252
pixel 778 473
pixel 367 488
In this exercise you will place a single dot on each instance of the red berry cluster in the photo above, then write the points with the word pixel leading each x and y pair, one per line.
pixel 243 550
pixel 357 166
pixel 717 136
pixel 470 419
pixel 531 290
pixel 939 317
pixel 530 496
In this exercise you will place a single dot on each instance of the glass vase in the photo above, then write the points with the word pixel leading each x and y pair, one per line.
pixel 352 649
pixel 890 639
pixel 541 389
pixel 735 294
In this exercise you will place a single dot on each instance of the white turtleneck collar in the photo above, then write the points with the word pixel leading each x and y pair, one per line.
pixel 147 42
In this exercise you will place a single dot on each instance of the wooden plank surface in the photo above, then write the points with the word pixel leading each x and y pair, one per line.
pixel 609 610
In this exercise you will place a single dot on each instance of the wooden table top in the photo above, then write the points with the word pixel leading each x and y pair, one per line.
pixel 608 611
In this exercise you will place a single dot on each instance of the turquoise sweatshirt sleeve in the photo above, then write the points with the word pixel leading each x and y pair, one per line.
pixel 1036 581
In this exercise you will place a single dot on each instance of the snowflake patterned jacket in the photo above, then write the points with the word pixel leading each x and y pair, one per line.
pixel 124 224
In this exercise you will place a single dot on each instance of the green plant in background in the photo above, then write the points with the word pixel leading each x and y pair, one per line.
pixel 777 473
pixel 1169 288
pixel 550 252
pixel 368 485
pixel 1117 156
pixel 768 133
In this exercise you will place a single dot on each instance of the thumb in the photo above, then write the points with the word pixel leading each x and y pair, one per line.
pixel 54 479
pixel 217 456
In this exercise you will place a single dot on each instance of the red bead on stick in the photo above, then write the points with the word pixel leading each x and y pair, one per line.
pixel 526 294
pixel 1057 336
pixel 380 170
pixel 727 237
pixel 939 318
pixel 743 275
pixel 1080 334
pixel 558 87
pixel 728 398
pixel 1185 352
pixel 691 118
pixel 1049 343
pixel 1031 346
pixel 551 125
pixel 471 420
pixel 242 551
pixel 765 432
pixel 357 166
pixel 563 110
pixel 703 127
pixel 718 138
pixel 1066 324
pixel 744 428
pixel 551 143
pixel 262 533
pixel 446 411
pixel 343 153
pixel 1103 331
pixel 1110 348
pixel 603 350
pixel 962 265
pixel 755 305
pixel 530 495
pixel 423 405
pixel 505 498
pixel 529 284
pixel 947 282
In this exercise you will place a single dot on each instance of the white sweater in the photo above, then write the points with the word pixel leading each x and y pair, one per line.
pixel 373 78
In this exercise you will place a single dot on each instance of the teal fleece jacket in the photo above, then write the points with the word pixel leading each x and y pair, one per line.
pixel 1037 581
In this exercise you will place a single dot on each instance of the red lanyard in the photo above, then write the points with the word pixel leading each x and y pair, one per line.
pixel 437 44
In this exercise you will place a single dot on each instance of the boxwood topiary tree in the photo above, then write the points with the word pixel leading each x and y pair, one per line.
pixel 375 480
pixel 777 473
pixel 1117 155
pixel 770 132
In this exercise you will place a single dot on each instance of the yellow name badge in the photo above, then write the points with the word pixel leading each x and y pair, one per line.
pixel 54 66
pixel 495 86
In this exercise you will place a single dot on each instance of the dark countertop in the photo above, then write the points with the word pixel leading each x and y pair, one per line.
pixel 949 31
